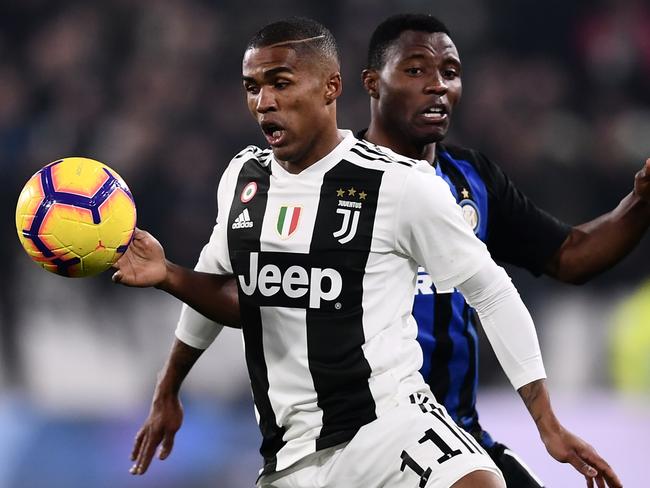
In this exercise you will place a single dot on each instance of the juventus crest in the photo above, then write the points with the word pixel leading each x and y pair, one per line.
pixel 350 210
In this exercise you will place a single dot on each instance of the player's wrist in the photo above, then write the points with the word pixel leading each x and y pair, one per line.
pixel 166 389
pixel 640 200
pixel 167 283
pixel 548 425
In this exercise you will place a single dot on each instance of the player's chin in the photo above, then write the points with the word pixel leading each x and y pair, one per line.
pixel 430 132
pixel 284 152
pixel 429 135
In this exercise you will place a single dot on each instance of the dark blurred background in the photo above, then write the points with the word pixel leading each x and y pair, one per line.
pixel 558 93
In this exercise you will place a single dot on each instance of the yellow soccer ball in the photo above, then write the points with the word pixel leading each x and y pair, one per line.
pixel 75 217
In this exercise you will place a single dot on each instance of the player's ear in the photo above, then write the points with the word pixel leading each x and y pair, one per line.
pixel 370 79
pixel 333 88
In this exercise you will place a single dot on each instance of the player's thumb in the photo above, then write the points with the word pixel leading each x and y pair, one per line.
pixel 581 465
pixel 167 445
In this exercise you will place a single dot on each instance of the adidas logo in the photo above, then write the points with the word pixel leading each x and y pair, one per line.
pixel 243 221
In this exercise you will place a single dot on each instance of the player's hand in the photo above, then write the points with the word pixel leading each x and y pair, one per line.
pixel 143 264
pixel 569 448
pixel 642 182
pixel 165 418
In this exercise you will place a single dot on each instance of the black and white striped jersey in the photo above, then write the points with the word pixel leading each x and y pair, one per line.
pixel 326 262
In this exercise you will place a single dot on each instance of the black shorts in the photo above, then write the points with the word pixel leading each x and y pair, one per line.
pixel 514 470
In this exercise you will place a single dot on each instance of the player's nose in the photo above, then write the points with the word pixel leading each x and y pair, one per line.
pixel 266 100
pixel 436 84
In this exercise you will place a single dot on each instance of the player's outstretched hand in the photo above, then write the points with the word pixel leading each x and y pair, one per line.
pixel 569 448
pixel 143 264
pixel 165 418
pixel 642 182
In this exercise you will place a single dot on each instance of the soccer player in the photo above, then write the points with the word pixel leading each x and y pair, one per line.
pixel 320 234
pixel 414 82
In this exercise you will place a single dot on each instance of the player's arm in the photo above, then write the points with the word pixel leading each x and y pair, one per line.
pixel 522 234
pixel 511 333
pixel 439 238
pixel 144 265
pixel 213 296
pixel 595 246
pixel 562 444
pixel 166 413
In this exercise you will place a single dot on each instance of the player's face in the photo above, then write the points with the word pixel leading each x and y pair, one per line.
pixel 419 86
pixel 286 95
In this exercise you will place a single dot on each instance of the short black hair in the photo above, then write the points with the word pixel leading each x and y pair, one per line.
pixel 390 29
pixel 317 37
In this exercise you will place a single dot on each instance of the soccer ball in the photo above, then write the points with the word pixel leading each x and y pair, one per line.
pixel 75 217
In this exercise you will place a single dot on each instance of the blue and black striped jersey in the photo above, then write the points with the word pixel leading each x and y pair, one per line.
pixel 516 231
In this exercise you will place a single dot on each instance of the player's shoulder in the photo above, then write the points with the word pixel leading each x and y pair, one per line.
pixel 384 159
pixel 260 159
pixel 472 156
pixel 251 152
pixel 457 152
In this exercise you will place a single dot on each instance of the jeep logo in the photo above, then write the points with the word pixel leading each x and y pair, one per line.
pixel 295 282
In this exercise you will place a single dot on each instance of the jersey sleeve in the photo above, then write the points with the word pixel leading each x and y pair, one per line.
pixel 519 232
pixel 507 324
pixel 430 228
pixel 193 328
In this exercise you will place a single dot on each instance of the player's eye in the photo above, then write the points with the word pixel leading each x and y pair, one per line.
pixel 252 89
pixel 414 70
pixel 281 84
pixel 450 73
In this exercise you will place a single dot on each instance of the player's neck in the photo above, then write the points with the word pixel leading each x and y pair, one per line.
pixel 401 145
pixel 324 144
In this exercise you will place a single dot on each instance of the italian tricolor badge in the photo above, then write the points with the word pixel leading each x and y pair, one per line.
pixel 288 220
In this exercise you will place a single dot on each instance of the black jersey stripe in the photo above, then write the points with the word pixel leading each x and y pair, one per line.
pixel 370 149
pixel 342 385
pixel 359 152
pixel 383 159
pixel 439 377
pixel 241 242
pixel 453 428
pixel 373 149
pixel 468 387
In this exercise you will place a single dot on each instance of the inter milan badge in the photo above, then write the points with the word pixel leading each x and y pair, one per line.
pixel 350 209
pixel 470 213
pixel 288 219
pixel 248 192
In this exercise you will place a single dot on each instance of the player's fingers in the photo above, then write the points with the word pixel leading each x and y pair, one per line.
pixel 604 469
pixel 139 462
pixel 579 464
pixel 136 444
pixel 590 482
pixel 600 481
pixel 147 453
pixel 138 455
pixel 167 445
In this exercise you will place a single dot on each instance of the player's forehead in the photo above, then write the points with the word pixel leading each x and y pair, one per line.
pixel 414 44
pixel 261 62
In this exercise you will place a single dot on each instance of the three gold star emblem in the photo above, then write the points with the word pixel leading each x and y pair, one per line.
pixel 351 193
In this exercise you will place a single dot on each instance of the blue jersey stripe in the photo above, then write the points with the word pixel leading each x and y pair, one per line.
pixel 478 191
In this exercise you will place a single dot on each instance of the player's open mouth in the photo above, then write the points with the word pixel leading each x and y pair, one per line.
pixel 435 113
pixel 274 133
